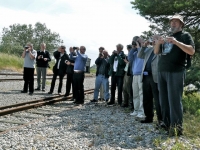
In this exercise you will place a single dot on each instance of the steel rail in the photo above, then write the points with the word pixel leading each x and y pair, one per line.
pixel 40 100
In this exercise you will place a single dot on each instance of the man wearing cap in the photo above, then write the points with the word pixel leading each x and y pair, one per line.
pixel 171 73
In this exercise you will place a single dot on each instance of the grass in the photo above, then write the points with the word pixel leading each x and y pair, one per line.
pixel 15 63
pixel 11 62
pixel 191 126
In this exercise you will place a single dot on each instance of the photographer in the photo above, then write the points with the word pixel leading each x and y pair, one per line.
pixel 174 51
pixel 43 57
pixel 117 63
pixel 102 76
pixel 78 77
pixel 137 65
pixel 149 78
pixel 70 73
pixel 59 69
pixel 29 55
pixel 101 95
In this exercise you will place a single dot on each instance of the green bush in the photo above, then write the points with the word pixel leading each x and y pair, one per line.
pixel 191 104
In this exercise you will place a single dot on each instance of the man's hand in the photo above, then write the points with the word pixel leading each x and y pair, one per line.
pixel 171 40
pixel 125 60
pixel 45 59
pixel 71 49
pixel 159 40
pixel 145 44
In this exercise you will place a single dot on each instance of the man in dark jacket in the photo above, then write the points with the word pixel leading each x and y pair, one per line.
pixel 117 63
pixel 59 69
pixel 102 76
pixel 70 72
pixel 43 57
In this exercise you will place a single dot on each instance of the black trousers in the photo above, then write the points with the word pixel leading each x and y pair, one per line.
pixel 69 82
pixel 150 93
pixel 116 81
pixel 78 79
pixel 28 77
pixel 56 73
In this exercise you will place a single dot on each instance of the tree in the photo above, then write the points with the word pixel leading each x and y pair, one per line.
pixel 17 36
pixel 158 12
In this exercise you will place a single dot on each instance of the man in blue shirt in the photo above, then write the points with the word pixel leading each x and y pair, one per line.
pixel 78 78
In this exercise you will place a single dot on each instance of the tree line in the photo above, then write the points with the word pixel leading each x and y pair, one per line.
pixel 16 36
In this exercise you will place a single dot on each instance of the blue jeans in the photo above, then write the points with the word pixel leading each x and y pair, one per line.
pixel 100 79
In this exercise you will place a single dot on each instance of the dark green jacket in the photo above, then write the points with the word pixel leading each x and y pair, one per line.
pixel 121 64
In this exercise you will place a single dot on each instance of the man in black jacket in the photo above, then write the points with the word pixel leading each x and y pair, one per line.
pixel 43 57
pixel 102 76
pixel 59 69
pixel 70 72
pixel 117 65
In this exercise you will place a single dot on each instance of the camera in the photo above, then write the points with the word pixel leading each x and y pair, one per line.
pixel 134 43
pixel 101 54
pixel 26 47
pixel 74 48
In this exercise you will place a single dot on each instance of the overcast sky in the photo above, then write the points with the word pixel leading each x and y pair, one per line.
pixel 92 23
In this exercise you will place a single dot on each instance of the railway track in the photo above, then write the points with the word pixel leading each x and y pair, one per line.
pixel 24 114
pixel 6 77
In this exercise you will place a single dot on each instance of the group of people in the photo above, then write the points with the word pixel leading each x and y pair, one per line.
pixel 73 65
pixel 151 75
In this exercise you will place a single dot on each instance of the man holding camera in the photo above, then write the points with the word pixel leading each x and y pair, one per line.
pixel 79 70
pixel 174 51
pixel 117 63
pixel 127 85
pixel 59 69
pixel 29 55
pixel 43 57
pixel 149 79
pixel 137 65
pixel 102 76
pixel 101 93
pixel 70 73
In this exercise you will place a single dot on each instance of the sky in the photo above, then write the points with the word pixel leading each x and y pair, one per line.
pixel 91 23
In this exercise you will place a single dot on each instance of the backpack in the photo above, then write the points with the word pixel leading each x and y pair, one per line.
pixel 188 58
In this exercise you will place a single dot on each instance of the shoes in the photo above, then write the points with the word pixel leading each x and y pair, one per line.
pixel 110 103
pixel 38 89
pixel 43 90
pixel 78 103
pixel 30 93
pixel 161 125
pixel 139 116
pixel 107 100
pixel 50 92
pixel 23 91
pixel 95 101
pixel 101 99
pixel 134 113
pixel 60 94
pixel 146 121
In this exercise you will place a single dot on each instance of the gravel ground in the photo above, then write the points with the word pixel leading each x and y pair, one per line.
pixel 89 126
